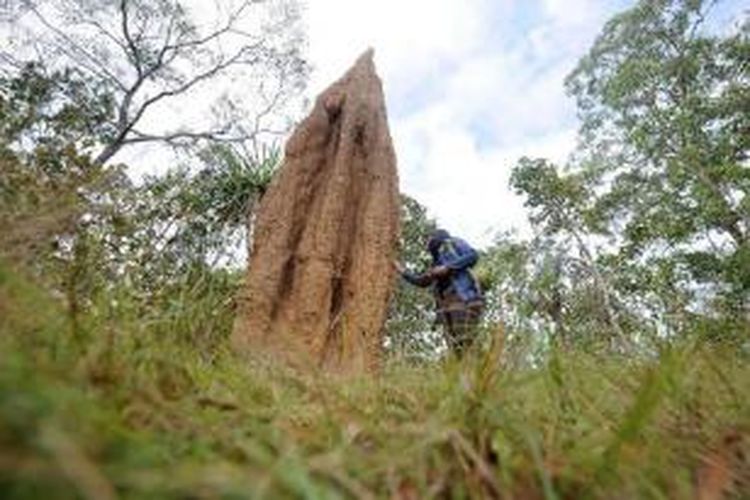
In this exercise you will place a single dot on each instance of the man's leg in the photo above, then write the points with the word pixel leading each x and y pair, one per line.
pixel 463 326
pixel 452 332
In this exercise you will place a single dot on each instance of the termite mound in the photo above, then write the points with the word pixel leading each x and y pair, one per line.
pixel 320 278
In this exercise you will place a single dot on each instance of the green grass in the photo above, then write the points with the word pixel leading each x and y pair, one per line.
pixel 123 409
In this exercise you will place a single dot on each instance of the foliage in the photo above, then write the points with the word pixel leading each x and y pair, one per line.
pixel 133 413
pixel 44 113
pixel 665 103
pixel 95 237
pixel 49 188
pixel 644 233
pixel 203 215
pixel 182 240
pixel 574 273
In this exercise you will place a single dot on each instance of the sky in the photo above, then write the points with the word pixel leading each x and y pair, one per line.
pixel 471 86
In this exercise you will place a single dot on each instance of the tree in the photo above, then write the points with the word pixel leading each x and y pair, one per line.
pixel 169 246
pixel 187 217
pixel 561 208
pixel 665 105
pixel 517 288
pixel 47 182
pixel 151 57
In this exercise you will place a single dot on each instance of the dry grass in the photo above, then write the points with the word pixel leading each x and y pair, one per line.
pixel 140 415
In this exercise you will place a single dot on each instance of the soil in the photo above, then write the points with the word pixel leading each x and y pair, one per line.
pixel 326 231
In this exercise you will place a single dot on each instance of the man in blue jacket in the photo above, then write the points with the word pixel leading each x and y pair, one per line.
pixel 457 294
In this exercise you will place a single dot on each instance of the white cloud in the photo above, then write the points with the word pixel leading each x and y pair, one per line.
pixel 412 38
pixel 471 87
pixel 466 187
pixel 573 13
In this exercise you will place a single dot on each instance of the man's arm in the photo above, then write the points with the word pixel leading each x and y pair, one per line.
pixel 422 280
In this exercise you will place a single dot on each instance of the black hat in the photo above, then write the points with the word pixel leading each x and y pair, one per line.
pixel 436 239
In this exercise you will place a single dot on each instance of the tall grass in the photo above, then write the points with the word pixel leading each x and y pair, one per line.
pixel 129 409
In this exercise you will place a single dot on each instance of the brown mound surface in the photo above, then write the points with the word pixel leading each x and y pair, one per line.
pixel 320 276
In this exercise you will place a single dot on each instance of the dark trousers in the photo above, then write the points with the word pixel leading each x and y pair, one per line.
pixel 460 321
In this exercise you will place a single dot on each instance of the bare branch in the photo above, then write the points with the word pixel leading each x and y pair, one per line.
pixel 105 32
pixel 217 135
pixel 134 53
pixel 8 60
pixel 166 56
pixel 213 71
pixel 212 135
pixel 227 28
pixel 98 68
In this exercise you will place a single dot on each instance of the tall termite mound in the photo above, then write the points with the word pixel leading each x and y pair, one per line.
pixel 320 277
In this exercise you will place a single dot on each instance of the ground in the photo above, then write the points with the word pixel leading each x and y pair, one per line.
pixel 122 412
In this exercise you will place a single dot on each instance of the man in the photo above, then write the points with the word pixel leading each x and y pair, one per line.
pixel 458 298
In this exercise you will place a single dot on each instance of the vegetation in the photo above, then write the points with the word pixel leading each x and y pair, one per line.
pixel 644 233
pixel 613 361
pixel 128 409
pixel 143 57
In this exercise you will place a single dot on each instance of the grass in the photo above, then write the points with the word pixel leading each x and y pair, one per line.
pixel 122 409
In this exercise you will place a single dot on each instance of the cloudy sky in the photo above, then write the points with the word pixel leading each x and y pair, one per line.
pixel 471 86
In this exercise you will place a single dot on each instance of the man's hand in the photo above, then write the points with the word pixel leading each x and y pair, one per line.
pixel 397 266
pixel 440 271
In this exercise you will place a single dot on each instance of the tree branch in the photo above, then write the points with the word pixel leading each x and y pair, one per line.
pixel 213 135
pixel 227 28
pixel 136 58
pixel 97 68
pixel 190 83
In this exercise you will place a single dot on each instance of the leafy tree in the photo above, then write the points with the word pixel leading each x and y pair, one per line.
pixel 199 217
pixel 47 182
pixel 665 105
pixel 514 295
pixel 564 217
pixel 111 70
pixel 646 229
pixel 166 245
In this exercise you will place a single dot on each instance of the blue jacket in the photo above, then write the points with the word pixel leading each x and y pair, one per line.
pixel 459 257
